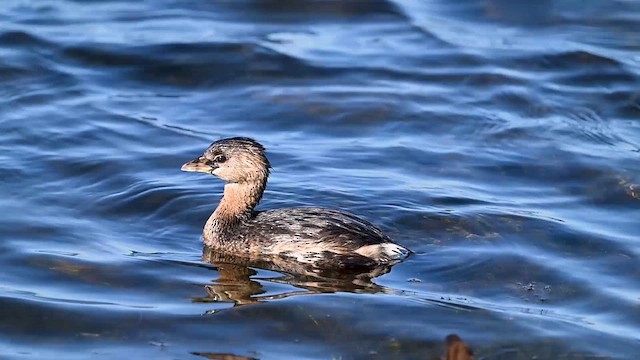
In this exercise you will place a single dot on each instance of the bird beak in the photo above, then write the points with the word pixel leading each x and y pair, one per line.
pixel 197 165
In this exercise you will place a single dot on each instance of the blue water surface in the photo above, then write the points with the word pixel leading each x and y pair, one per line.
pixel 498 139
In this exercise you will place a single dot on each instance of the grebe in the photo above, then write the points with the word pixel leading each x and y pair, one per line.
pixel 315 236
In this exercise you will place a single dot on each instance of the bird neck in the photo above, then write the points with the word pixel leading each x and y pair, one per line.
pixel 236 205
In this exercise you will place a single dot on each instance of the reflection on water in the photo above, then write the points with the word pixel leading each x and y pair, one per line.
pixel 499 140
pixel 234 283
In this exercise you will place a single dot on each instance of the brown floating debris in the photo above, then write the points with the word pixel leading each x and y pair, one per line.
pixel 221 356
pixel 457 349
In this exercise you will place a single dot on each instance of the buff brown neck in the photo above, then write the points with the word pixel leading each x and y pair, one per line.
pixel 236 206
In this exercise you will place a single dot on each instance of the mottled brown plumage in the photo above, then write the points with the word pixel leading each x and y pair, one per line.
pixel 318 236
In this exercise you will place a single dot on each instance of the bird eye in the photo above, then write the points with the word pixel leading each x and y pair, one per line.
pixel 220 158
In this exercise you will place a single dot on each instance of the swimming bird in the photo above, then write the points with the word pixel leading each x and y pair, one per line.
pixel 321 237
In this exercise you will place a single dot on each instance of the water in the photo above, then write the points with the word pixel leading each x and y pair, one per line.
pixel 498 139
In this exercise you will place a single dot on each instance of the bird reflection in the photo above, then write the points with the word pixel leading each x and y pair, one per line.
pixel 236 282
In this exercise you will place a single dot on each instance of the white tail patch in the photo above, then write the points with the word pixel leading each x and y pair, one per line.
pixel 387 252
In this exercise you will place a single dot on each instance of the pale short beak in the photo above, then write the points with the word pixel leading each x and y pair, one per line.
pixel 197 165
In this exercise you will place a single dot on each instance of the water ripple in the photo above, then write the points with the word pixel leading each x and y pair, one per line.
pixel 496 139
